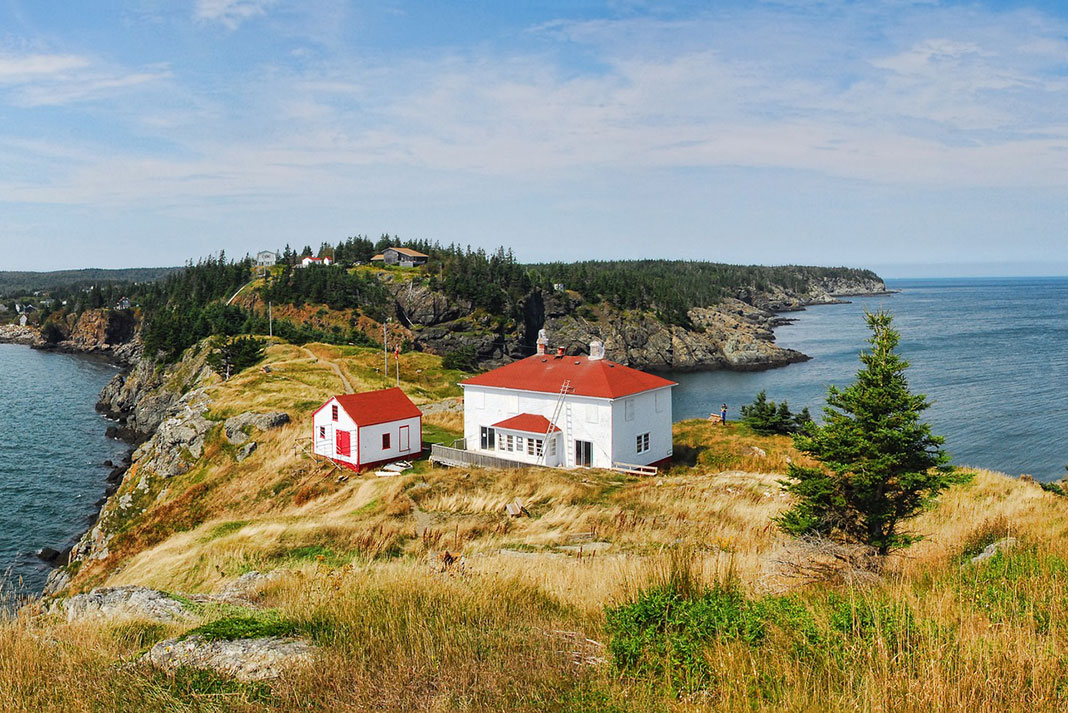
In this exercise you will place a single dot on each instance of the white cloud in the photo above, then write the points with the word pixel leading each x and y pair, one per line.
pixel 230 13
pixel 17 69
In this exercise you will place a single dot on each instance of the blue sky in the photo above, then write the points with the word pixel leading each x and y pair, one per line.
pixel 918 138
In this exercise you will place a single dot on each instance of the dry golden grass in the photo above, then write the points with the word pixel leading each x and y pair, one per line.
pixel 503 628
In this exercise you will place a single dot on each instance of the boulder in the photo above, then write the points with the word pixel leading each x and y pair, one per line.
pixel 244 659
pixel 1002 545
pixel 131 601
pixel 245 451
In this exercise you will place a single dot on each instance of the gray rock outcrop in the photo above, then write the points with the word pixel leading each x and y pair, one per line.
pixel 244 659
pixel 237 428
pixel 130 601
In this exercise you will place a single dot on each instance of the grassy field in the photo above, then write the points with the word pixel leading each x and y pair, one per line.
pixel 616 593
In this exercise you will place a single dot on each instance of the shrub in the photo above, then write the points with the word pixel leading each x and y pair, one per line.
pixel 463 359
pixel 766 418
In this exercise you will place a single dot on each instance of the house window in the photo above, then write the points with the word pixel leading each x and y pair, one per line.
pixel 509 443
pixel 539 447
pixel 322 431
pixel 333 411
pixel 530 446
pixel 385 441
pixel 628 410
pixel 487 440
pixel 552 446
pixel 643 442
pixel 519 444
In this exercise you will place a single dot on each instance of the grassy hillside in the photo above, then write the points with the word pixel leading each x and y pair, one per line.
pixel 672 593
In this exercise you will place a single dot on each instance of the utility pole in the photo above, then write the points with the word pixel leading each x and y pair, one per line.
pixel 385 351
pixel 270 321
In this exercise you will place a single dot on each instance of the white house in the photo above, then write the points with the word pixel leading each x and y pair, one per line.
pixel 315 261
pixel 358 431
pixel 569 411
pixel 266 258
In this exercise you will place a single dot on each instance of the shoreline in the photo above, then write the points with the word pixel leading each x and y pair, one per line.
pixel 54 558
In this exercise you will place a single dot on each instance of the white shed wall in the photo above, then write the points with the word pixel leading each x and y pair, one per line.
pixel 371 450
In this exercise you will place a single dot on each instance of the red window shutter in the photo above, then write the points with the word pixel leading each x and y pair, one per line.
pixel 343 444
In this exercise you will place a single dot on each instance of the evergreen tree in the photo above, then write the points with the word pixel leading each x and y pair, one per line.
pixel 879 465
pixel 765 418
pixel 229 356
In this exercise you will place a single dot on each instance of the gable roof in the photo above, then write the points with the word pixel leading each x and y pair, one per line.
pixel 527 423
pixel 408 251
pixel 373 407
pixel 546 373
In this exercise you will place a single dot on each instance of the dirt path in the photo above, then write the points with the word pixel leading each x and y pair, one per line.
pixel 332 365
pixel 423 520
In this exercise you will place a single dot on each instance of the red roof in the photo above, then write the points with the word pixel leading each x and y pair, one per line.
pixel 527 423
pixel 373 407
pixel 546 373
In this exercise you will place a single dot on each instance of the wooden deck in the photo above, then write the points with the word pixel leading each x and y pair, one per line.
pixel 458 458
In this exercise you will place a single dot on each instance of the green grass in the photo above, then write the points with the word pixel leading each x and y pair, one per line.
pixel 224 529
pixel 245 626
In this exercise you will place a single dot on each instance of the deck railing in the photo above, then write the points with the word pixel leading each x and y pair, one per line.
pixel 457 458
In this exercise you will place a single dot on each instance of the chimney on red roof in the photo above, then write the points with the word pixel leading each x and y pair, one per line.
pixel 543 341
pixel 559 352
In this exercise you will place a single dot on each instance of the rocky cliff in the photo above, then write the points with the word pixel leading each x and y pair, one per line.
pixel 735 333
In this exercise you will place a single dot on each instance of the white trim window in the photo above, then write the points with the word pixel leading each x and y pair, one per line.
pixel 642 443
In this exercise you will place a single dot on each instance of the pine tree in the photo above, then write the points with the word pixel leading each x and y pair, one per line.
pixel 879 464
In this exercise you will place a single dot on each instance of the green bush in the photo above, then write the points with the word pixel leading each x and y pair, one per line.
pixel 664 634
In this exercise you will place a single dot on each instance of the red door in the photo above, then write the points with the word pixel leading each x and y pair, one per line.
pixel 343 444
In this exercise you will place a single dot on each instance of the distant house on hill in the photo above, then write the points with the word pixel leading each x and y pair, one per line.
pixel 404 257
pixel 308 261
pixel 266 258
pixel 569 412
pixel 123 303
pixel 358 431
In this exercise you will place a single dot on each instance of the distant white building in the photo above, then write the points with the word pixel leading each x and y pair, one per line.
pixel 266 258
pixel 358 431
pixel 569 411
pixel 309 261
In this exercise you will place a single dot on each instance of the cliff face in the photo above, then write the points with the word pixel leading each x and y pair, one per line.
pixel 734 334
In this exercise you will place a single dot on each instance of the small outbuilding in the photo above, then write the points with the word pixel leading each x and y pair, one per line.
pixel 359 431
pixel 309 261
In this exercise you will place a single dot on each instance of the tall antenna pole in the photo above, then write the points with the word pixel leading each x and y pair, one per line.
pixel 270 321
pixel 385 351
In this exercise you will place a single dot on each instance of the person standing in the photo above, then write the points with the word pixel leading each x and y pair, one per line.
pixel 723 414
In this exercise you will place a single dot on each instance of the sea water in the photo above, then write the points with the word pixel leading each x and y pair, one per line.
pixel 52 453
pixel 990 354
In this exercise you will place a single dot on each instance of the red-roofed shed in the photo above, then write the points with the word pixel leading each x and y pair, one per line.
pixel 363 430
